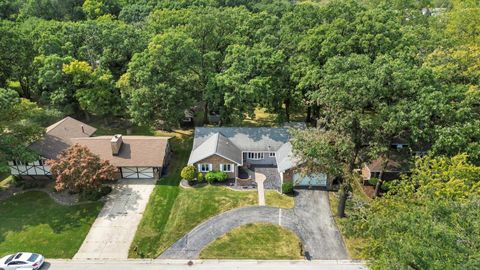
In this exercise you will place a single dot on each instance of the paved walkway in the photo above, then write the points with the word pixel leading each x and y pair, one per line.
pixel 260 178
pixel 113 230
pixel 310 220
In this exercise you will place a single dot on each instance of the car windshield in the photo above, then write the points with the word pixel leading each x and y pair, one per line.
pixel 9 259
pixel 33 257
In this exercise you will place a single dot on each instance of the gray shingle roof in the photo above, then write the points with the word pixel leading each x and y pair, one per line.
pixel 285 158
pixel 246 138
pixel 216 144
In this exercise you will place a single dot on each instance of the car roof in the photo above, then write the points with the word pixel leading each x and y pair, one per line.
pixel 22 256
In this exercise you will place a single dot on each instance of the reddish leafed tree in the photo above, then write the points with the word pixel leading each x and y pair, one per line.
pixel 76 169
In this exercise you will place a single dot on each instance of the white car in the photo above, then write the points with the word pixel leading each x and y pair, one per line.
pixel 22 260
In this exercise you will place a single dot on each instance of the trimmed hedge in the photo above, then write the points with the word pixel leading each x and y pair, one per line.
pixel 215 176
pixel 200 177
pixel 188 172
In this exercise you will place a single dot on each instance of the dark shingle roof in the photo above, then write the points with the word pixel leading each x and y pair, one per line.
pixel 58 137
pixel 136 151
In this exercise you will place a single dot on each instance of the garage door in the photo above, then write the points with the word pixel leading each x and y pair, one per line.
pixel 137 172
pixel 315 180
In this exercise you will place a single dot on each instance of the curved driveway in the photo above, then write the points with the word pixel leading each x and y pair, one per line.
pixel 310 220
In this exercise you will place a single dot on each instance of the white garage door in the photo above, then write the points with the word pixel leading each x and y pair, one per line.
pixel 137 172
pixel 315 180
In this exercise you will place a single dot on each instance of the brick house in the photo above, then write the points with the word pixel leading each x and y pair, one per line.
pixel 236 149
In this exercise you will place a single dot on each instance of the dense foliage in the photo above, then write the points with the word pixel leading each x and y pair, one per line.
pixel 433 213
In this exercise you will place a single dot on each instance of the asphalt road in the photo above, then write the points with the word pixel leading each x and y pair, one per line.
pixel 200 265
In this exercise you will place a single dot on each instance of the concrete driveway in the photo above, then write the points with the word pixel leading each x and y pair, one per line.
pixel 112 232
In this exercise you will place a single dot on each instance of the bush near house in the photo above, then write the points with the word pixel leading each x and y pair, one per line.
pixel 200 177
pixel 373 181
pixel 188 172
pixel 215 176
pixel 287 188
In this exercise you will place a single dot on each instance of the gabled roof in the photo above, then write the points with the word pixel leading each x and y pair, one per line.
pixel 58 137
pixel 246 138
pixel 136 151
pixel 216 144
pixel 285 158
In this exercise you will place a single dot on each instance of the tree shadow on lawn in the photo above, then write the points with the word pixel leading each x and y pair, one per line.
pixel 35 208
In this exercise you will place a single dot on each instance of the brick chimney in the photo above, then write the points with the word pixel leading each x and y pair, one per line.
pixel 116 143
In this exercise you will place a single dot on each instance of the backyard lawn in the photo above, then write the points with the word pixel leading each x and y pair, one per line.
pixel 33 222
pixel 255 241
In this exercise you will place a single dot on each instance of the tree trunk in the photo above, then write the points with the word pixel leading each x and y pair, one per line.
pixel 25 89
pixel 205 113
pixel 379 184
pixel 105 120
pixel 87 116
pixel 342 200
pixel 308 119
pixel 287 109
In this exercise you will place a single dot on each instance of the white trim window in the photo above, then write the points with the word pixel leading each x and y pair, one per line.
pixel 226 167
pixel 204 167
pixel 255 155
pixel 271 154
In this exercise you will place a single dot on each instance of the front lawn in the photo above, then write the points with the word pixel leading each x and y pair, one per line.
pixel 33 222
pixel 173 211
pixel 255 241
pixel 275 199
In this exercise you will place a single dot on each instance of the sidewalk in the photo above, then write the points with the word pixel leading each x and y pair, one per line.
pixel 202 265
pixel 260 178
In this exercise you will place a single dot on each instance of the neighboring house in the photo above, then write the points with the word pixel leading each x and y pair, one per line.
pixel 399 162
pixel 231 149
pixel 135 156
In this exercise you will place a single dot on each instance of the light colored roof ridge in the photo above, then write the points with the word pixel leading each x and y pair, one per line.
pixel 132 137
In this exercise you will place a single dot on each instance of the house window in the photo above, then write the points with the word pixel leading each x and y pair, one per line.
pixel 255 155
pixel 226 167
pixel 204 167
pixel 271 154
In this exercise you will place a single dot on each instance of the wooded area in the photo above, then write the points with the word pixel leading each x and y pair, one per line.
pixel 365 72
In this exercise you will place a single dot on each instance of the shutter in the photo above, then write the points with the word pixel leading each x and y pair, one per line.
pixel 199 167
pixel 210 167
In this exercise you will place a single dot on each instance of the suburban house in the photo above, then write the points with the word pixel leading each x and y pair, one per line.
pixel 135 156
pixel 399 161
pixel 235 150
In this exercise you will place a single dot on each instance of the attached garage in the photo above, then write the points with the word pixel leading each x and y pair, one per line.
pixel 137 172
pixel 311 180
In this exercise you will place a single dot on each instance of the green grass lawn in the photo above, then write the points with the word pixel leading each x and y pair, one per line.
pixel 255 241
pixel 34 222
pixel 273 198
pixel 173 211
